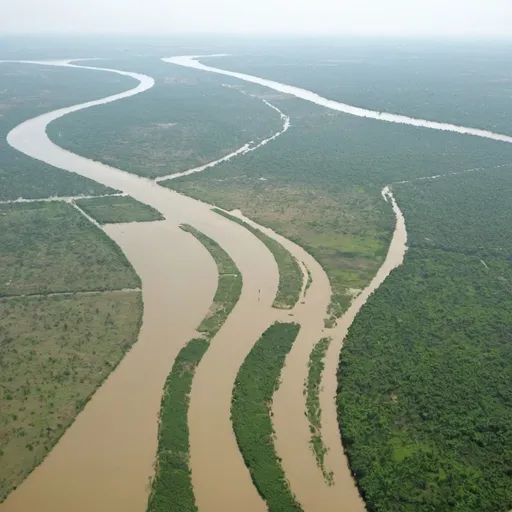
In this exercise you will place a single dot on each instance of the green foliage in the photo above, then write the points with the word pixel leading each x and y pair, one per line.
pixel 50 247
pixel 28 91
pixel 54 353
pixel 113 209
pixel 255 385
pixel 229 286
pixel 424 399
pixel 172 485
pixel 290 273
pixel 313 410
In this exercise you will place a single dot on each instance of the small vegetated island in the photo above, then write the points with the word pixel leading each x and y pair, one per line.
pixel 70 305
pixel 255 385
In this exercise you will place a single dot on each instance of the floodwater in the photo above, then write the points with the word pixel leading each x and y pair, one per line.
pixel 104 461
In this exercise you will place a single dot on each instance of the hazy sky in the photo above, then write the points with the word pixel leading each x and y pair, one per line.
pixel 329 17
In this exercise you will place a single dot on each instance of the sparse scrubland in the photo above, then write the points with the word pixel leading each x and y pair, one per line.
pixel 313 410
pixel 54 353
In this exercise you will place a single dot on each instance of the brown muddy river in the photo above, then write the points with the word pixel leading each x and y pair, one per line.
pixel 105 460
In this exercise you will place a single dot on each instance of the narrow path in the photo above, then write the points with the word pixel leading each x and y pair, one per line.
pixel 104 460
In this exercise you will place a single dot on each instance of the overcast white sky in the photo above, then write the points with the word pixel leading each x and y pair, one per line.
pixel 455 18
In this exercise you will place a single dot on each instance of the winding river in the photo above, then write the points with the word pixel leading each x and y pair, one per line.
pixel 105 459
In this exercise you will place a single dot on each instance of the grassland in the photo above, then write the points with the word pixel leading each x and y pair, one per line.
pixel 313 410
pixel 28 91
pixel 172 485
pixel 114 209
pixel 54 353
pixel 290 273
pixel 50 247
pixel 424 395
pixel 255 385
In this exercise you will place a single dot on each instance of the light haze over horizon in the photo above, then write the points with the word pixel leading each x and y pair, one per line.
pixel 421 18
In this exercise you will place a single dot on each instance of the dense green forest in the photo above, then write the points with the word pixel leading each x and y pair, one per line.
pixel 185 120
pixel 462 84
pixel 425 401
pixel 28 91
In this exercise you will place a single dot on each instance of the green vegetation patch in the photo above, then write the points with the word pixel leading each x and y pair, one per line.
pixel 54 353
pixel 115 209
pixel 313 411
pixel 290 273
pixel 424 398
pixel 50 247
pixel 255 385
pixel 172 486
